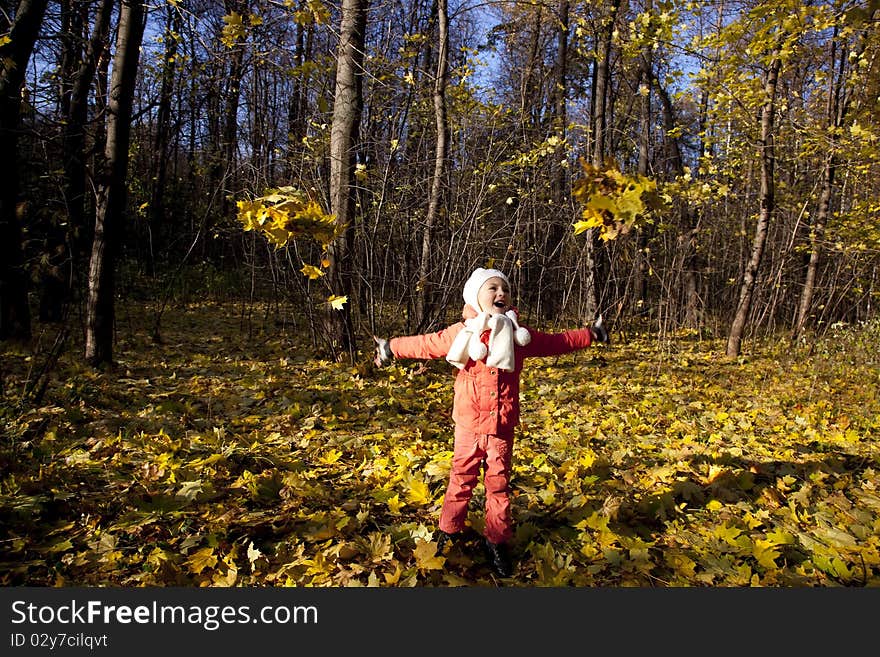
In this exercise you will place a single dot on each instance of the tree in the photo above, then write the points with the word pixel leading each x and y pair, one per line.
pixel 767 198
pixel 599 114
pixel 80 75
pixel 347 106
pixel 440 154
pixel 161 156
pixel 111 194
pixel 15 318
pixel 839 96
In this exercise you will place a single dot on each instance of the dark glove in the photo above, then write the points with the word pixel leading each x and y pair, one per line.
pixel 598 331
pixel 384 356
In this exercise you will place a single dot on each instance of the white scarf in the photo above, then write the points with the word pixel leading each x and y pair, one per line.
pixel 505 331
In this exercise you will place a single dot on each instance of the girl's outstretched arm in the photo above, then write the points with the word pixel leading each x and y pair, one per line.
pixel 556 344
pixel 426 346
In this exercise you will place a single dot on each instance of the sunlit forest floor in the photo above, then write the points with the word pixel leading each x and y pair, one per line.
pixel 228 454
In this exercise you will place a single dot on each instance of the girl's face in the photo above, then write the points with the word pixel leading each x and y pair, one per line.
pixel 494 296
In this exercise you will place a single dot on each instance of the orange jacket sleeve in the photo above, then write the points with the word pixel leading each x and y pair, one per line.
pixel 556 344
pixel 427 346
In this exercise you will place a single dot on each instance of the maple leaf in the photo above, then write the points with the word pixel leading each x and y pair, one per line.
pixel 190 490
pixel 311 272
pixel 681 563
pixel 230 576
pixel 337 302
pixel 201 559
pixel 765 552
pixel 418 492
pixel 379 547
pixel 727 534
pixel 253 554
pixel 426 555
pixel 394 503
pixel 780 537
pixel 393 578
pixel 330 457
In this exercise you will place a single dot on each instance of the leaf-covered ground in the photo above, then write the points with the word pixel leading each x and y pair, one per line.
pixel 228 455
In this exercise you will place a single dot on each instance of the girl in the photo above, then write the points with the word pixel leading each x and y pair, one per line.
pixel 488 347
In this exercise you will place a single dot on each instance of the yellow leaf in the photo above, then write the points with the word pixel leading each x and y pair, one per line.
pixel 201 559
pixel 727 534
pixel 765 553
pixel 232 19
pixel 311 272
pixel 320 565
pixel 418 493
pixel 230 576
pixel 393 578
pixel 330 457
pixel 394 503
pixel 336 302
pixel 426 555
pixel 681 563
pixel 379 547
pixel 780 537
pixel 158 558
pixel 715 471
pixel 581 227
pixel 548 494
pixel 587 458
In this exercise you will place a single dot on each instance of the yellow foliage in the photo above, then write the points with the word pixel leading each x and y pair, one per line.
pixel 614 203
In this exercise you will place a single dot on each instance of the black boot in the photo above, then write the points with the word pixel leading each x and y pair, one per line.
pixel 444 540
pixel 499 558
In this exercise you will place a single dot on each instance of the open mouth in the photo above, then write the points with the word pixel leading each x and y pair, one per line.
pixel 500 304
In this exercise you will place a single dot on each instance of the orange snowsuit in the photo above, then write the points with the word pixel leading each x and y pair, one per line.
pixel 486 412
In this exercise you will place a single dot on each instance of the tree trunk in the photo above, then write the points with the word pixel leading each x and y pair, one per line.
pixel 645 111
pixel 768 161
pixel 111 194
pixel 603 87
pixel 836 109
pixel 599 112
pixel 440 150
pixel 157 222
pixel 347 106
pixel 229 137
pixel 15 316
pixel 298 107
pixel 551 281
pixel 74 136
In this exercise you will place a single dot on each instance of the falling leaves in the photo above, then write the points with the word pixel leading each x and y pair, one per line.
pixel 285 214
pixel 613 202
pixel 337 302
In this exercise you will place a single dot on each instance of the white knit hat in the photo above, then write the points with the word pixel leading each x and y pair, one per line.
pixel 475 282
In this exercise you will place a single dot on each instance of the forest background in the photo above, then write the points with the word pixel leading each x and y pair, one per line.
pixel 242 193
